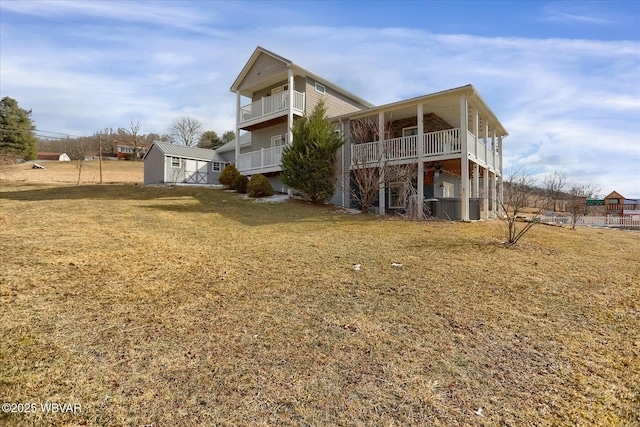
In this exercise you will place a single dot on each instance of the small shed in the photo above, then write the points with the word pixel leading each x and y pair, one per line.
pixel 166 163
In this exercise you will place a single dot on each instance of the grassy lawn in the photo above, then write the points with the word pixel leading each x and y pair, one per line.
pixel 193 306
pixel 57 172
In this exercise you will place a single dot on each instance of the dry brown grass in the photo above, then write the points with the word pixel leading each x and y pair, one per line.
pixel 191 306
pixel 67 172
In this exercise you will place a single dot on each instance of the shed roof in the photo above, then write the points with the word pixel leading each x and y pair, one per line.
pixel 183 151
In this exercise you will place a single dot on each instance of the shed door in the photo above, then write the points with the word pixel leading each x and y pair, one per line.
pixel 195 172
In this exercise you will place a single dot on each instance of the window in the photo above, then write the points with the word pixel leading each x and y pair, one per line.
pixel 277 141
pixel 176 162
pixel 395 196
pixel 447 189
pixel 613 201
pixel 410 131
pixel 320 88
pixel 216 166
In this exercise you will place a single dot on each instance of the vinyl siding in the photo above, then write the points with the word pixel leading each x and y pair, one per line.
pixel 265 67
pixel 154 167
pixel 335 103
pixel 262 138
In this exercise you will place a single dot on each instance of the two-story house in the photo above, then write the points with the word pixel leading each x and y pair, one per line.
pixel 617 205
pixel 452 137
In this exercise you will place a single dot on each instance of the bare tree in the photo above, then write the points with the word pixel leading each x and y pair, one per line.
pixel 367 167
pixel 578 195
pixel 371 170
pixel 135 137
pixel 78 150
pixel 519 194
pixel 554 185
pixel 186 131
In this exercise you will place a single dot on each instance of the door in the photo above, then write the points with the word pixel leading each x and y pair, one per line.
pixel 447 189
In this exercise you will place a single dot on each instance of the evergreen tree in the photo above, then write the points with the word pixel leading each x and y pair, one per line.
pixel 309 163
pixel 16 130
pixel 210 140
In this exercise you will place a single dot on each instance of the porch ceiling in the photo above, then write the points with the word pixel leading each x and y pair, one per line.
pixel 448 110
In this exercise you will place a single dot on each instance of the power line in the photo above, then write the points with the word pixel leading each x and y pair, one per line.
pixel 6 129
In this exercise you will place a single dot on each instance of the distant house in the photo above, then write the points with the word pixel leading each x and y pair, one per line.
pixel 53 157
pixel 617 205
pixel 125 150
pixel 166 163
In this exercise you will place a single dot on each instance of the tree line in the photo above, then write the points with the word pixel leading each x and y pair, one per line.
pixel 19 138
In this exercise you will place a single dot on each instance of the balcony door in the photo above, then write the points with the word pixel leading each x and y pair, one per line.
pixel 279 94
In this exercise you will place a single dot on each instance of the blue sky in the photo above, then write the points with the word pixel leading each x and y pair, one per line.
pixel 563 77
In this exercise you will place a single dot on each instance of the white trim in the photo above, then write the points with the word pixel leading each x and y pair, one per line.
pixel 408 128
pixel 277 138
pixel 397 188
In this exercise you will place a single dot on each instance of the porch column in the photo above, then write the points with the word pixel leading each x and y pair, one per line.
pixel 476 133
pixel 420 151
pixel 476 180
pixel 237 128
pixel 500 195
pixel 464 159
pixel 485 191
pixel 493 148
pixel 486 143
pixel 290 108
pixel 494 196
pixel 500 154
pixel 381 193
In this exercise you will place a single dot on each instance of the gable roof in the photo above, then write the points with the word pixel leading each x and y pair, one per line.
pixel 615 195
pixel 297 70
pixel 183 151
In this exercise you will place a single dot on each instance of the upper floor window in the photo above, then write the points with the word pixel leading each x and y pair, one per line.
pixel 320 88
pixel 613 201
pixel 277 141
pixel 176 162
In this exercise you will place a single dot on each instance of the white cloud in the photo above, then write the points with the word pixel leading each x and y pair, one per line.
pixel 570 105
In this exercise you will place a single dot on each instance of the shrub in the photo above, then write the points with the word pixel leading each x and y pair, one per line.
pixel 259 186
pixel 240 184
pixel 228 175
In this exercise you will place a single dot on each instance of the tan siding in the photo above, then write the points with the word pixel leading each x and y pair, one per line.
pixel 267 66
pixel 335 103
pixel 262 138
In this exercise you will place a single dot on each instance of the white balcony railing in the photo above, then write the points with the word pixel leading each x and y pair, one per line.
pixel 271 105
pixel 260 159
pixel 439 143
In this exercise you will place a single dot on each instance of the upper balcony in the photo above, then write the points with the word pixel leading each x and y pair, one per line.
pixel 270 110
pixel 439 145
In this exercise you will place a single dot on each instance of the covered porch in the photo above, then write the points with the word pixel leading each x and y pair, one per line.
pixel 441 128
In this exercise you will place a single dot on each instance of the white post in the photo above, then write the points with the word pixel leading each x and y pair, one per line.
pixel 500 195
pixel 464 159
pixel 494 201
pixel 420 150
pixel 486 143
pixel 493 147
pixel 237 128
pixel 485 190
pixel 476 180
pixel 475 131
pixel 290 109
pixel 381 193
